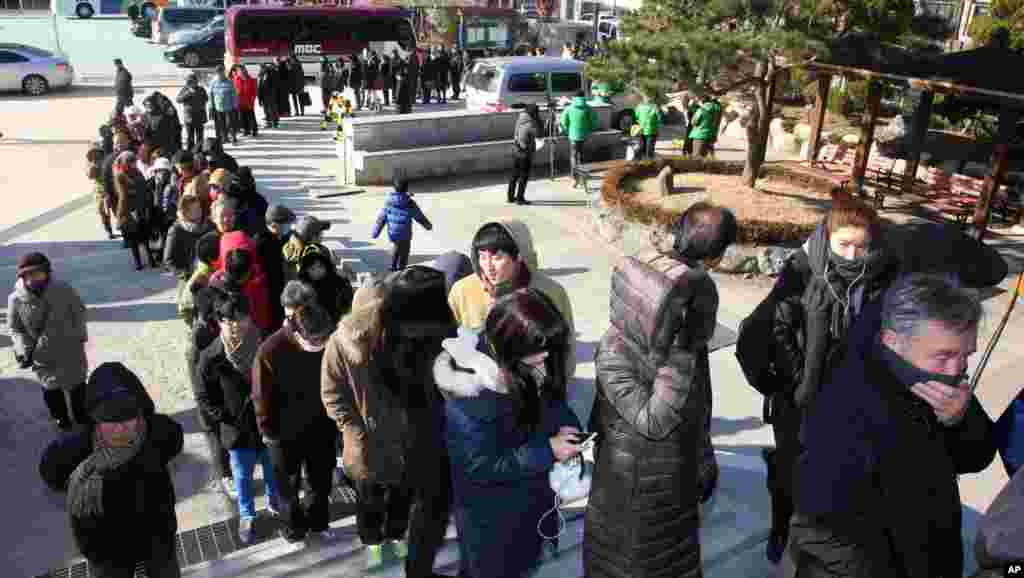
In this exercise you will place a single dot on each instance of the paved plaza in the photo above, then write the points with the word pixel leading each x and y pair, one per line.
pixel 132 319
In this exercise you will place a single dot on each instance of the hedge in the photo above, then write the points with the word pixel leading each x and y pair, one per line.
pixel 751 231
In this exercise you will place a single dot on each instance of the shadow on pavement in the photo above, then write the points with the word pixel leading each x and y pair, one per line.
pixel 136 312
pixel 722 426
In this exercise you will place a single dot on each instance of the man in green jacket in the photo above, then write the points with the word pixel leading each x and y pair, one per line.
pixel 704 127
pixel 578 121
pixel 648 116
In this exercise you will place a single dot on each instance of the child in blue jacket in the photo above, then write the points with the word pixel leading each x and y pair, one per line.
pixel 398 213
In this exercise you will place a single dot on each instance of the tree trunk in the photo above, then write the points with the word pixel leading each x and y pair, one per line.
pixel 757 136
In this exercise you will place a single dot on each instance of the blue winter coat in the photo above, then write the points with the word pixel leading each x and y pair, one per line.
pixel 500 481
pixel 1009 433
pixel 398 213
pixel 223 96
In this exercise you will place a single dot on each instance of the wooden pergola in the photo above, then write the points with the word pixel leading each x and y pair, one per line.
pixel 990 77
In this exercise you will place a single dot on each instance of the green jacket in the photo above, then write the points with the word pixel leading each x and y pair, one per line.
pixel 648 116
pixel 704 125
pixel 579 120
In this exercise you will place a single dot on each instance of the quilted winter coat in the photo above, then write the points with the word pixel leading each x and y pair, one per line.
pixel 652 405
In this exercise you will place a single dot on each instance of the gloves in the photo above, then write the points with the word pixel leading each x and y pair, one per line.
pixel 24 361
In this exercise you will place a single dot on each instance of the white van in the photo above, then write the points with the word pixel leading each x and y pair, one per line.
pixel 500 84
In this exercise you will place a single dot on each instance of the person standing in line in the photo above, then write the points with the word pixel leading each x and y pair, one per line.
pixel 95 175
pixel 298 84
pixel 387 78
pixel 578 121
pixel 328 82
pixel 193 99
pixel 246 87
pixel 180 251
pixel 120 496
pixel 133 207
pixel 291 419
pixel 224 380
pixel 284 87
pixel 123 89
pixel 455 73
pixel 223 103
pixel 653 407
pixel 398 214
pixel 266 92
pixel 269 246
pixel 333 291
pixel 504 432
pixel 441 73
pixel 525 142
pixel 47 321
pixel 355 79
pixel 648 116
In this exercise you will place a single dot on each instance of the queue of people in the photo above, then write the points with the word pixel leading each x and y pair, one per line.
pixel 443 388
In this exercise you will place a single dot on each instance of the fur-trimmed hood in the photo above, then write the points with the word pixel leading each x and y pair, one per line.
pixel 361 328
pixel 462 371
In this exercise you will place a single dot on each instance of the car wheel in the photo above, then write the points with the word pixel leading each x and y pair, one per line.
pixel 83 11
pixel 35 85
pixel 192 59
pixel 625 120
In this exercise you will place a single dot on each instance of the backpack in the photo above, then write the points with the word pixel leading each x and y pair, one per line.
pixel 755 344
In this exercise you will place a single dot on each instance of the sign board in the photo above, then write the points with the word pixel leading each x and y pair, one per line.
pixel 308 49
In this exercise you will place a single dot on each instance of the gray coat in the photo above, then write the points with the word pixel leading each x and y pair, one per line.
pixel 526 134
pixel 51 330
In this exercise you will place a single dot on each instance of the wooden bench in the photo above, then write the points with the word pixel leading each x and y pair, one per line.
pixel 881 172
pixel 834 163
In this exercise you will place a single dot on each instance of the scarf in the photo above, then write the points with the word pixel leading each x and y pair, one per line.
pixel 242 353
pixel 85 487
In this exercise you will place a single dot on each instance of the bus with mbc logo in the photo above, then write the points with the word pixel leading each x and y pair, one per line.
pixel 258 34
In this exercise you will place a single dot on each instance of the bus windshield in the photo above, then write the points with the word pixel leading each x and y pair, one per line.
pixel 256 35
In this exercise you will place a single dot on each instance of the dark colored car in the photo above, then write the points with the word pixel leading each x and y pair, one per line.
pixel 204 52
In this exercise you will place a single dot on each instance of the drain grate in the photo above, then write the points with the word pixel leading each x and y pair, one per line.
pixel 218 539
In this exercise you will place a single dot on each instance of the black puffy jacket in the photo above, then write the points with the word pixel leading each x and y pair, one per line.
pixel 138 497
pixel 651 410
pixel 193 100
pixel 223 394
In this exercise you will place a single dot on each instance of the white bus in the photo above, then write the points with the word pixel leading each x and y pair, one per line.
pixel 91 8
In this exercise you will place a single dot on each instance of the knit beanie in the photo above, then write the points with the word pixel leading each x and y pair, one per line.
pixel 30 262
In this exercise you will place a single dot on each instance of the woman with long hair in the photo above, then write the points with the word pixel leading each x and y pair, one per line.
pixel 132 198
pixel 506 427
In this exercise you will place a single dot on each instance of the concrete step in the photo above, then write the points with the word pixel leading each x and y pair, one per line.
pixel 733 533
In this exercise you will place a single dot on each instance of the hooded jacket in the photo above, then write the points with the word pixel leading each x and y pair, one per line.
pixel 162 129
pixel 223 395
pixel 193 101
pixel 255 286
pixel 50 329
pixel 138 496
pixel 652 407
pixel 876 483
pixel 579 120
pixel 398 214
pixel 333 292
pixel 648 116
pixel 499 474
pixel 470 302
pixel 704 124
pixel 180 247
pixel 245 86
pixel 526 133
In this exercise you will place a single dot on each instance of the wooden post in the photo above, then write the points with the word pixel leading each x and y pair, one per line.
pixel 769 98
pixel 820 106
pixel 867 133
pixel 983 210
pixel 922 113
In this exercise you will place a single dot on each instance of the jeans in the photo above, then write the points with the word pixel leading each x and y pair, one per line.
pixel 243 462
pixel 225 122
pixel 575 157
pixel 247 120
pixel 270 113
pixel 317 452
pixel 647 146
pixel 195 131
pixel 400 254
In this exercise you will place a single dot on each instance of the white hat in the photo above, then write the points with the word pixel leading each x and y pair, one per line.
pixel 162 164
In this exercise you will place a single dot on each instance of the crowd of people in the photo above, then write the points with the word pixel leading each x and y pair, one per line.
pixel 443 387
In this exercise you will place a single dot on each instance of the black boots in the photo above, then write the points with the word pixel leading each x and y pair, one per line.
pixel 782 508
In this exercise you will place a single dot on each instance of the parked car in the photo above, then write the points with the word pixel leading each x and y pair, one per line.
pixel 207 51
pixel 33 70
pixel 172 19
pixel 190 35
pixel 500 84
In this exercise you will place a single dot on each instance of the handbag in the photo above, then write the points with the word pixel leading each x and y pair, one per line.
pixel 305 99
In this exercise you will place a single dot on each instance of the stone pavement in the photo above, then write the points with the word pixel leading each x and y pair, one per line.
pixel 132 319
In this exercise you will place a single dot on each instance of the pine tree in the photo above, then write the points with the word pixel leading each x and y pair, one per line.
pixel 720 46
pixel 1006 14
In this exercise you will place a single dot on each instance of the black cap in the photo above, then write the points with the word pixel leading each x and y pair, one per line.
pixel 112 393
pixel 30 262
pixel 280 214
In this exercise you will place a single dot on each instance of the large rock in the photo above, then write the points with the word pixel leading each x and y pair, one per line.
pixel 666 183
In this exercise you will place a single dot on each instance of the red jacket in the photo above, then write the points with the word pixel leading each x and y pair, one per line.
pixel 246 88
pixel 255 287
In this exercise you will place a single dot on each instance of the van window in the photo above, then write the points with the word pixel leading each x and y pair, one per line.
pixel 528 82
pixel 484 78
pixel 566 82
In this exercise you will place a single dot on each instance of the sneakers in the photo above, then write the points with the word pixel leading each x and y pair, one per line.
pixel 228 485
pixel 245 530
pixel 374 556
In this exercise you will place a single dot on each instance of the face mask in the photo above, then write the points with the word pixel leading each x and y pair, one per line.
pixel 37 287
pixel 908 374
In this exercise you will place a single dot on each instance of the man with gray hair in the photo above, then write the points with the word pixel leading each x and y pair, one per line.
pixel 895 424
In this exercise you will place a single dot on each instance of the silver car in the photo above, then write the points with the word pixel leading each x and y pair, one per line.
pixel 33 70
pixel 190 35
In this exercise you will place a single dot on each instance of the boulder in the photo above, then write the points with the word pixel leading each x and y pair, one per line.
pixel 666 183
